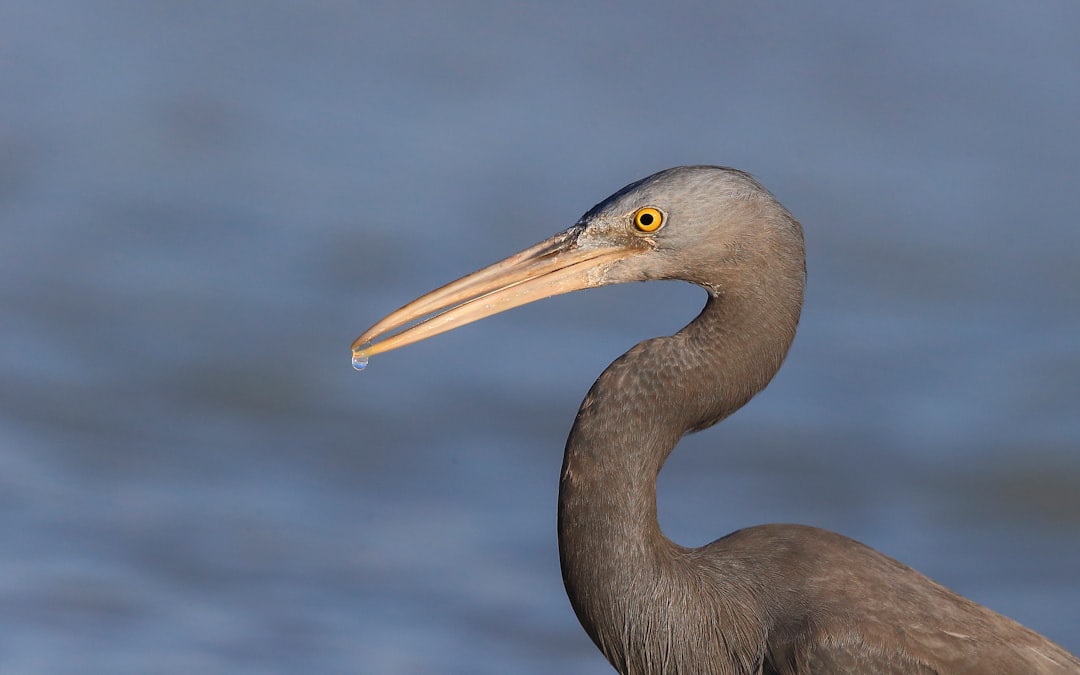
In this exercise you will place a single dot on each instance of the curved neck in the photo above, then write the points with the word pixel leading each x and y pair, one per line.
pixel 612 551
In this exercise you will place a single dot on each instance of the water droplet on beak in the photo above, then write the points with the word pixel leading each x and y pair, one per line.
pixel 360 356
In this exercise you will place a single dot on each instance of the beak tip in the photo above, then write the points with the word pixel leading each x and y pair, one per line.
pixel 361 352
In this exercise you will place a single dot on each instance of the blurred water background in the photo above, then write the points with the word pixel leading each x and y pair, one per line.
pixel 203 203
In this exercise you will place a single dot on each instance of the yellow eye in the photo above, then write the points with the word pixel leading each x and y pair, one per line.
pixel 648 219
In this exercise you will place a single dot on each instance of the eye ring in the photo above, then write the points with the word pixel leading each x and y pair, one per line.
pixel 648 219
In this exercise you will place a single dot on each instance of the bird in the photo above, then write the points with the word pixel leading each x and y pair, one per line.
pixel 766 600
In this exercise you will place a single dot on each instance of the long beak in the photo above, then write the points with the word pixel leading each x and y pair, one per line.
pixel 552 267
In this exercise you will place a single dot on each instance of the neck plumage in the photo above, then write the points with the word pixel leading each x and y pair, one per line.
pixel 614 557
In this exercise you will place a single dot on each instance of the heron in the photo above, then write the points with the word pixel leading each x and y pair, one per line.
pixel 770 599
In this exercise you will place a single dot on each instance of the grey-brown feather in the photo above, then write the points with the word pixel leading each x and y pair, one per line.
pixel 781 599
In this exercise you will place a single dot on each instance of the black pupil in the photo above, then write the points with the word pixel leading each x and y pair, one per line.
pixel 646 219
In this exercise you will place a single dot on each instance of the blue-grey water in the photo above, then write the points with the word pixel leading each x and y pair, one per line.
pixel 203 203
